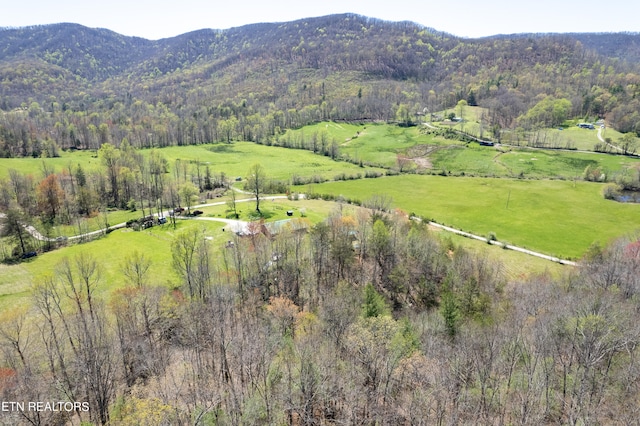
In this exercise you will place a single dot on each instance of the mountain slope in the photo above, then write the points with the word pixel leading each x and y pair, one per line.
pixel 264 77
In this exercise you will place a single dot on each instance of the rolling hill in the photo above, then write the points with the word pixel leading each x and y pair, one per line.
pixel 80 87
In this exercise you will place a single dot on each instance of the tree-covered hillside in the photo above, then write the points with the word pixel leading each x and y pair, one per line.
pixel 68 86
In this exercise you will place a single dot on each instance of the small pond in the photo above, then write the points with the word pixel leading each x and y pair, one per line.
pixel 628 197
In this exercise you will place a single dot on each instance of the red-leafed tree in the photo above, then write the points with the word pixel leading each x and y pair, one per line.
pixel 50 196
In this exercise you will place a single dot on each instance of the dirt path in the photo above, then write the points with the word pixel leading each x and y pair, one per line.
pixel 506 246
pixel 603 140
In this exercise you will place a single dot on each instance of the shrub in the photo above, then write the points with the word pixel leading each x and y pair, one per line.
pixel 609 192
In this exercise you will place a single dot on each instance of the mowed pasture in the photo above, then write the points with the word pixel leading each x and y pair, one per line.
pixel 272 209
pixel 232 159
pixel 111 250
pixel 381 144
pixel 16 280
pixel 279 163
pixel 378 144
pixel 372 143
pixel 501 161
pixel 560 218
pixel 556 217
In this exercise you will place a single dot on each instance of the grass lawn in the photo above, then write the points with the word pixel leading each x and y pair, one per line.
pixel 560 218
pixel 371 143
pixel 279 163
pixel 111 250
pixel 92 224
pixel 529 163
pixel 232 159
pixel 274 209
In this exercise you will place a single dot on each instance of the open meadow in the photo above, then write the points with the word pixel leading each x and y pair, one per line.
pixel 232 159
pixel 372 143
pixel 559 218
pixel 381 144
pixel 477 160
pixel 16 280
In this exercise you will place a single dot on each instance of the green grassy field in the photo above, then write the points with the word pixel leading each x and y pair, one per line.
pixel 381 143
pixel 372 143
pixel 111 250
pixel 556 217
pixel 560 218
pixel 279 163
pixel 16 280
pixel 529 163
pixel 471 160
pixel 33 166
pixel 232 159
pixel 274 209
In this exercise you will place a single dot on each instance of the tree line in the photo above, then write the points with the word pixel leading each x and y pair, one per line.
pixel 125 180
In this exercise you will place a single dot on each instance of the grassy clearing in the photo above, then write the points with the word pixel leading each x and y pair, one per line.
pixel 232 159
pixel 471 160
pixel 33 166
pixel 371 143
pixel 381 143
pixel 568 165
pixel 274 209
pixel 529 163
pixel 279 163
pixel 111 250
pixel 559 218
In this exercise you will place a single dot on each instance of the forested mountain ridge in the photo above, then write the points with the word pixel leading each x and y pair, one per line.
pixel 623 46
pixel 251 82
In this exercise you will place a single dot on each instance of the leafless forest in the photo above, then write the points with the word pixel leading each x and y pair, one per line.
pixel 362 320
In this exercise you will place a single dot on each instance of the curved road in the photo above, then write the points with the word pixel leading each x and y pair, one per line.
pixel 603 140
pixel 238 225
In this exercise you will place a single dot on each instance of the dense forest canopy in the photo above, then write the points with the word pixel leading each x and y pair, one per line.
pixel 66 85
